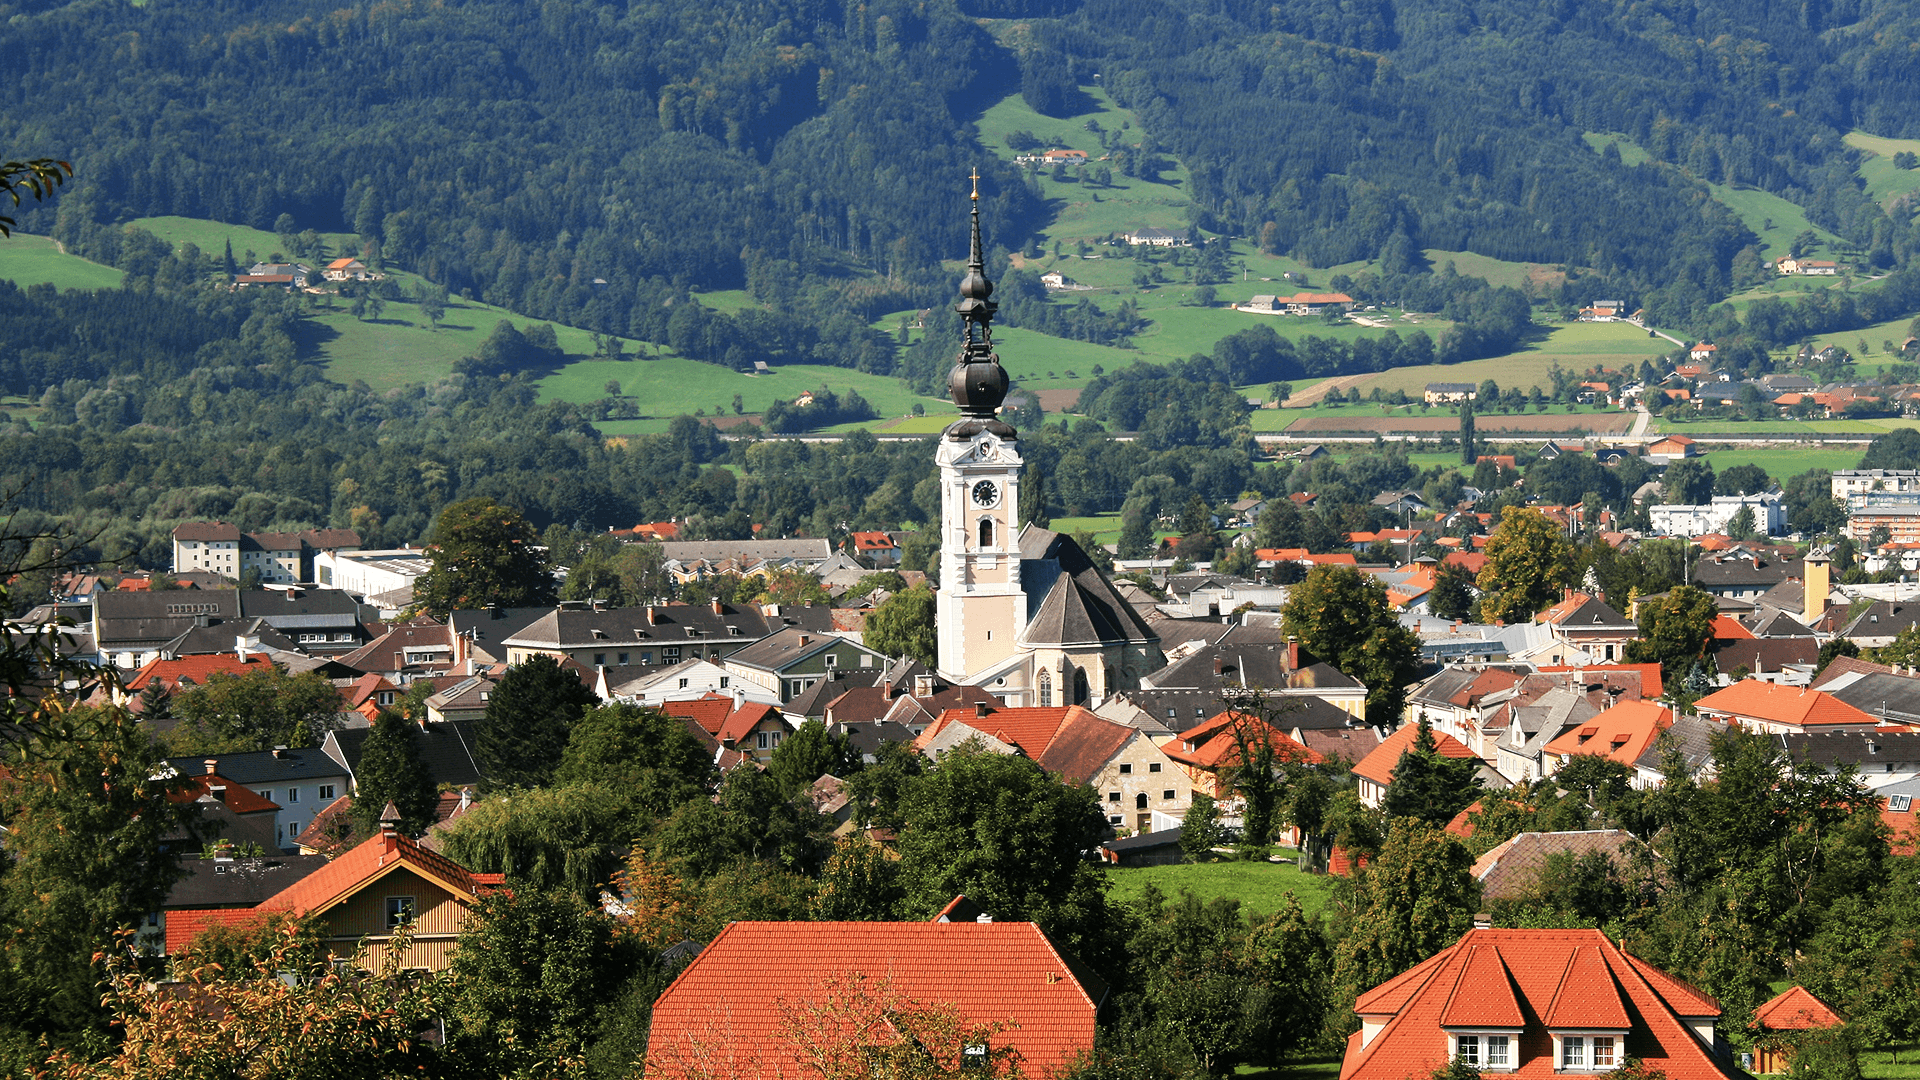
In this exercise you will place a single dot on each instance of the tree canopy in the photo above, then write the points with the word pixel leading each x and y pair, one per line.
pixel 483 554
pixel 1344 618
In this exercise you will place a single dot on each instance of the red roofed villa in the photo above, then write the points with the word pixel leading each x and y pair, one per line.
pixel 1771 709
pixel 1204 751
pixel 1620 734
pixel 1795 1009
pixel 744 1005
pixel 1535 1003
pixel 1376 769
pixel 366 894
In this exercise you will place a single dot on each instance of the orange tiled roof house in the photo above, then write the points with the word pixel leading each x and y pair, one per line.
pixel 731 1013
pixel 1535 1003
pixel 365 895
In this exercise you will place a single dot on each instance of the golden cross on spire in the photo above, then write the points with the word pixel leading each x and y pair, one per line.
pixel 976 185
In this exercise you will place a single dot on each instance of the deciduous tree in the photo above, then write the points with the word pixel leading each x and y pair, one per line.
pixel 1674 631
pixel 904 626
pixel 483 554
pixel 529 719
pixel 1345 619
pixel 1529 561
pixel 648 756
pixel 259 710
pixel 1415 899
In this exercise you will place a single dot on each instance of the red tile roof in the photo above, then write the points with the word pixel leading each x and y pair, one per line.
pixel 1473 561
pixel 1728 628
pixel 1550 977
pixel 709 712
pixel 1755 700
pixel 197 668
pixel 238 797
pixel 741 721
pixel 1650 684
pixel 1620 734
pixel 1795 1009
pixel 723 1015
pixel 1586 997
pixel 1483 995
pixel 1031 729
pixel 1211 745
pixel 1378 766
pixel 872 541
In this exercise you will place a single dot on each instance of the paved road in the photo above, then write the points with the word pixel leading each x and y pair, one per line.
pixel 1640 422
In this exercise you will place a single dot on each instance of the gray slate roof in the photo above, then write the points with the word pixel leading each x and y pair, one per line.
pixel 1691 736
pixel 445 749
pixel 263 766
pixel 245 882
pixel 1069 601
pixel 1890 697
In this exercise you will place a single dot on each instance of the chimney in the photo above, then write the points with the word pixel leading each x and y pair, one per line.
pixel 211 764
pixel 1219 665
pixel 280 751
pixel 466 796
pixel 653 615
pixel 739 698
pixel 203 619
pixel 1482 921
pixel 390 826
pixel 1293 653
pixel 716 606
pixel 979 713
pixel 923 686
pixel 804 639
pixel 240 648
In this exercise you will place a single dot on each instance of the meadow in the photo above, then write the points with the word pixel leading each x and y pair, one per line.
pixel 1574 346
pixel 1885 182
pixel 1261 887
pixel 1783 463
pixel 34 260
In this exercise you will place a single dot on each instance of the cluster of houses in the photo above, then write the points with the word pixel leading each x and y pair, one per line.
pixel 296 275
pixel 1300 303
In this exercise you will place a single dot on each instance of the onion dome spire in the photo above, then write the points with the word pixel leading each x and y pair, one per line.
pixel 978 383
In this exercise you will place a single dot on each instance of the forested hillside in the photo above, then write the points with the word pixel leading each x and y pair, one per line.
pixel 586 162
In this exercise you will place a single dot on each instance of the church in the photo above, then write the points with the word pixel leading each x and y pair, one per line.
pixel 1023 613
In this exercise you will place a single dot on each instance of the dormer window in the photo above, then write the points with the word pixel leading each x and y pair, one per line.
pixel 1587 1052
pixel 1488 1051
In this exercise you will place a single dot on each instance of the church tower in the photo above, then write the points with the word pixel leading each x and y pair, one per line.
pixel 982 609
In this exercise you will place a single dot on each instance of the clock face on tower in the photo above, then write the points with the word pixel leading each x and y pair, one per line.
pixel 986 494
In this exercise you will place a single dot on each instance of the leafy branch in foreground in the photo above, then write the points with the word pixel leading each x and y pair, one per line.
pixel 39 176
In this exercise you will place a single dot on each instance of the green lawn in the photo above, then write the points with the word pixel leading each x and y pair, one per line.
pixel 1783 463
pixel 1259 886
pixel 672 385
pixel 1884 182
pixel 1574 346
pixel 1328 1069
pixel 1880 1065
pixel 212 237
pixel 31 260
pixel 1472 264
pixel 1104 527
pixel 1734 429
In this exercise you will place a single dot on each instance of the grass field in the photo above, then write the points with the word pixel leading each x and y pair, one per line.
pixel 1733 430
pixel 1259 886
pixel 1884 182
pixel 32 260
pixel 1783 463
pixel 1574 346
pixel 212 238
pixel 1880 1064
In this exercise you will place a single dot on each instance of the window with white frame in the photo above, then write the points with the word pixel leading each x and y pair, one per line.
pixel 1899 804
pixel 1488 1051
pixel 1588 1053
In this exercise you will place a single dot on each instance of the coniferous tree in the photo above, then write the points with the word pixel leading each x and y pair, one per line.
pixel 529 717
pixel 1468 454
pixel 1428 785
pixel 391 771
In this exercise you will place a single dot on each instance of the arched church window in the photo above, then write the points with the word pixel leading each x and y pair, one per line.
pixel 1080 686
pixel 986 532
pixel 1046 689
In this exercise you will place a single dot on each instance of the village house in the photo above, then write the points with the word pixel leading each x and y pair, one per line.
pixel 1535 1003
pixel 792 659
pixel 1773 709
pixel 363 897
pixel 722 1016
pixel 1156 238
pixel 1620 734
pixel 1375 771
pixel 299 782
pixel 346 268
pixel 1209 754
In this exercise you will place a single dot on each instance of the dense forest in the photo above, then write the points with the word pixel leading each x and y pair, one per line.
pixel 589 162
